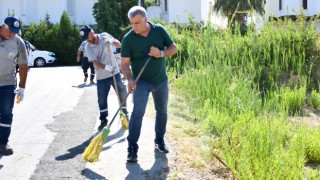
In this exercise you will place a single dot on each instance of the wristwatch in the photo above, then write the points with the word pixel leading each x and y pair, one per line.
pixel 162 53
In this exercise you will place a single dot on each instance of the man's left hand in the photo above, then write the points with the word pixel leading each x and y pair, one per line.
pixel 20 94
pixel 108 39
pixel 155 52
pixel 110 68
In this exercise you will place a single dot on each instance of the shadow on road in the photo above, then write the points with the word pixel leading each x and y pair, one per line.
pixel 72 152
pixel 159 169
pixel 91 175
pixel 83 85
pixel 1 166
pixel 118 134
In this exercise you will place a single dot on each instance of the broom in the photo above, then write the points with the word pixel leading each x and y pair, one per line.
pixel 123 117
pixel 92 152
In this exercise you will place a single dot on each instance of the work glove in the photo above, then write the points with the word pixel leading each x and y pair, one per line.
pixel 20 94
pixel 108 39
pixel 109 68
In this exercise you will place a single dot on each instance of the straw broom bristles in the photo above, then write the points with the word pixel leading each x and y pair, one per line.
pixel 124 120
pixel 92 152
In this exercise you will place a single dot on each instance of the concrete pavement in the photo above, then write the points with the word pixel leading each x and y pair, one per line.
pixel 54 125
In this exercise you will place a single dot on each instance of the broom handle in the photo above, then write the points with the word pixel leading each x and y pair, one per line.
pixel 116 88
pixel 125 99
pixel 114 78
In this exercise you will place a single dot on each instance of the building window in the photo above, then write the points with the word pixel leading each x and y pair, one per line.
pixel 165 5
pixel 280 4
pixel 305 4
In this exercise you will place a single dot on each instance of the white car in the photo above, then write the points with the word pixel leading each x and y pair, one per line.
pixel 40 58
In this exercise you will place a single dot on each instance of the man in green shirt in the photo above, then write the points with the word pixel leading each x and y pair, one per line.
pixel 146 40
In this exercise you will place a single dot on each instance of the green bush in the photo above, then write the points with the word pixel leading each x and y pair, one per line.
pixel 292 100
pixel 243 90
pixel 312 145
pixel 63 39
pixel 315 99
pixel 261 148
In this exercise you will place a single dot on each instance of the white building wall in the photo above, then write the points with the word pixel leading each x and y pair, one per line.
pixel 154 12
pixel 164 14
pixel 216 19
pixel 313 7
pixel 32 11
pixel 31 15
pixel 179 10
pixel 199 9
pixel 53 9
pixel 10 5
pixel 291 7
pixel 83 12
pixel 206 9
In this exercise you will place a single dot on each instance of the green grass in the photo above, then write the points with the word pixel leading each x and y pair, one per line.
pixel 242 90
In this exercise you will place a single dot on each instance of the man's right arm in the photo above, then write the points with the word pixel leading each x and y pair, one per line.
pixel 78 55
pixel 125 70
pixel 116 43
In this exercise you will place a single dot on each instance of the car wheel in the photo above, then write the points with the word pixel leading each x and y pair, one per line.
pixel 39 62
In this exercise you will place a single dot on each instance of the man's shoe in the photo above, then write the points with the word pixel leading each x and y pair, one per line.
pixel 91 82
pixel 85 79
pixel 160 145
pixel 6 150
pixel 132 154
pixel 102 125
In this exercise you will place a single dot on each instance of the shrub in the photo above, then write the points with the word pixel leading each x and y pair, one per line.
pixel 292 100
pixel 315 99
pixel 63 39
pixel 312 145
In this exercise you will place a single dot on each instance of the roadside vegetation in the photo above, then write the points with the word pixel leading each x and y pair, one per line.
pixel 250 93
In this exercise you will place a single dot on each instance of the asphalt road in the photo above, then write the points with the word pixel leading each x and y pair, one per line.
pixel 55 123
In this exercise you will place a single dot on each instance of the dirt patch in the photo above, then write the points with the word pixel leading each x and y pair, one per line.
pixel 310 117
pixel 192 158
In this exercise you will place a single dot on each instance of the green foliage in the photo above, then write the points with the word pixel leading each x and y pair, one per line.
pixel 38 34
pixel 244 88
pixel 149 3
pixel 261 148
pixel 47 20
pixel 237 12
pixel 63 39
pixel 315 99
pixel 292 100
pixel 12 13
pixel 313 145
pixel 229 7
pixel 111 16
pixel 68 36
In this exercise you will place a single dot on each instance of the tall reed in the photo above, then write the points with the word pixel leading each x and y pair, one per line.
pixel 244 89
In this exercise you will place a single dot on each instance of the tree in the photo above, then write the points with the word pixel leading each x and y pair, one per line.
pixel 67 40
pixel 63 39
pixel 239 9
pixel 47 20
pixel 111 16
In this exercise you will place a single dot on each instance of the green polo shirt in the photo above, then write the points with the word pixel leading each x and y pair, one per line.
pixel 137 48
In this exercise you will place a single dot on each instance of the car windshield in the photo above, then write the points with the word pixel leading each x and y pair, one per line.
pixel 32 47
